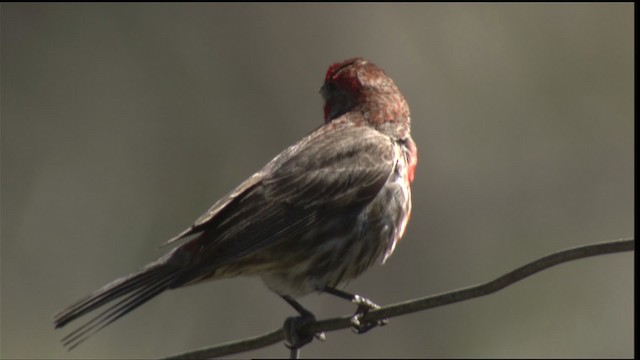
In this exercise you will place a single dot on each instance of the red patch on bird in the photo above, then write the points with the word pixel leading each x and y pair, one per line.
pixel 334 69
pixel 412 160
pixel 412 169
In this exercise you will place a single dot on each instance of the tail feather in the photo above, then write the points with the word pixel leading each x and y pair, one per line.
pixel 138 288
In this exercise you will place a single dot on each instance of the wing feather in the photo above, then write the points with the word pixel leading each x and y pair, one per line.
pixel 335 171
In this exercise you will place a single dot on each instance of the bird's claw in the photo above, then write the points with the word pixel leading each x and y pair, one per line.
pixel 294 333
pixel 364 306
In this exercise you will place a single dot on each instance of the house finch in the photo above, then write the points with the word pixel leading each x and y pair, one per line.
pixel 316 216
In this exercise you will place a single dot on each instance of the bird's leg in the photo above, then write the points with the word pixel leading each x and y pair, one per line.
pixel 295 336
pixel 364 306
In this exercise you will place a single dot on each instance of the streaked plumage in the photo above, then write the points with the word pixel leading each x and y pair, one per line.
pixel 314 217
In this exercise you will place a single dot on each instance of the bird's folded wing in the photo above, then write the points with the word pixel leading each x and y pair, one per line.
pixel 332 172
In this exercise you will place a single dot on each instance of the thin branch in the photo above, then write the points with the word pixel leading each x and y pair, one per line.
pixel 420 304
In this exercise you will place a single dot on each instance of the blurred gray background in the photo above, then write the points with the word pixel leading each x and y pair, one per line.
pixel 123 123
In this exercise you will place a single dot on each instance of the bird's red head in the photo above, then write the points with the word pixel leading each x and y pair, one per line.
pixel 358 86
pixel 341 87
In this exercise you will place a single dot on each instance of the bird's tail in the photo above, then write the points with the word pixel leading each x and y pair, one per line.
pixel 134 289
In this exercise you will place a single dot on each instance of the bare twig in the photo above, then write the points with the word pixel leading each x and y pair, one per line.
pixel 420 304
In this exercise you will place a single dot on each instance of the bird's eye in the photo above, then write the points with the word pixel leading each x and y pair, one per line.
pixel 330 86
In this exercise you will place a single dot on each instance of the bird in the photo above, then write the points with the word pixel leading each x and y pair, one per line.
pixel 314 217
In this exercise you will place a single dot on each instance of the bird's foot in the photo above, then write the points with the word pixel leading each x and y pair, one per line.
pixel 364 306
pixel 295 333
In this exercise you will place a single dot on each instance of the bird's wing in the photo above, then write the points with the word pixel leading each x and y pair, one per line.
pixel 332 172
pixel 197 226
